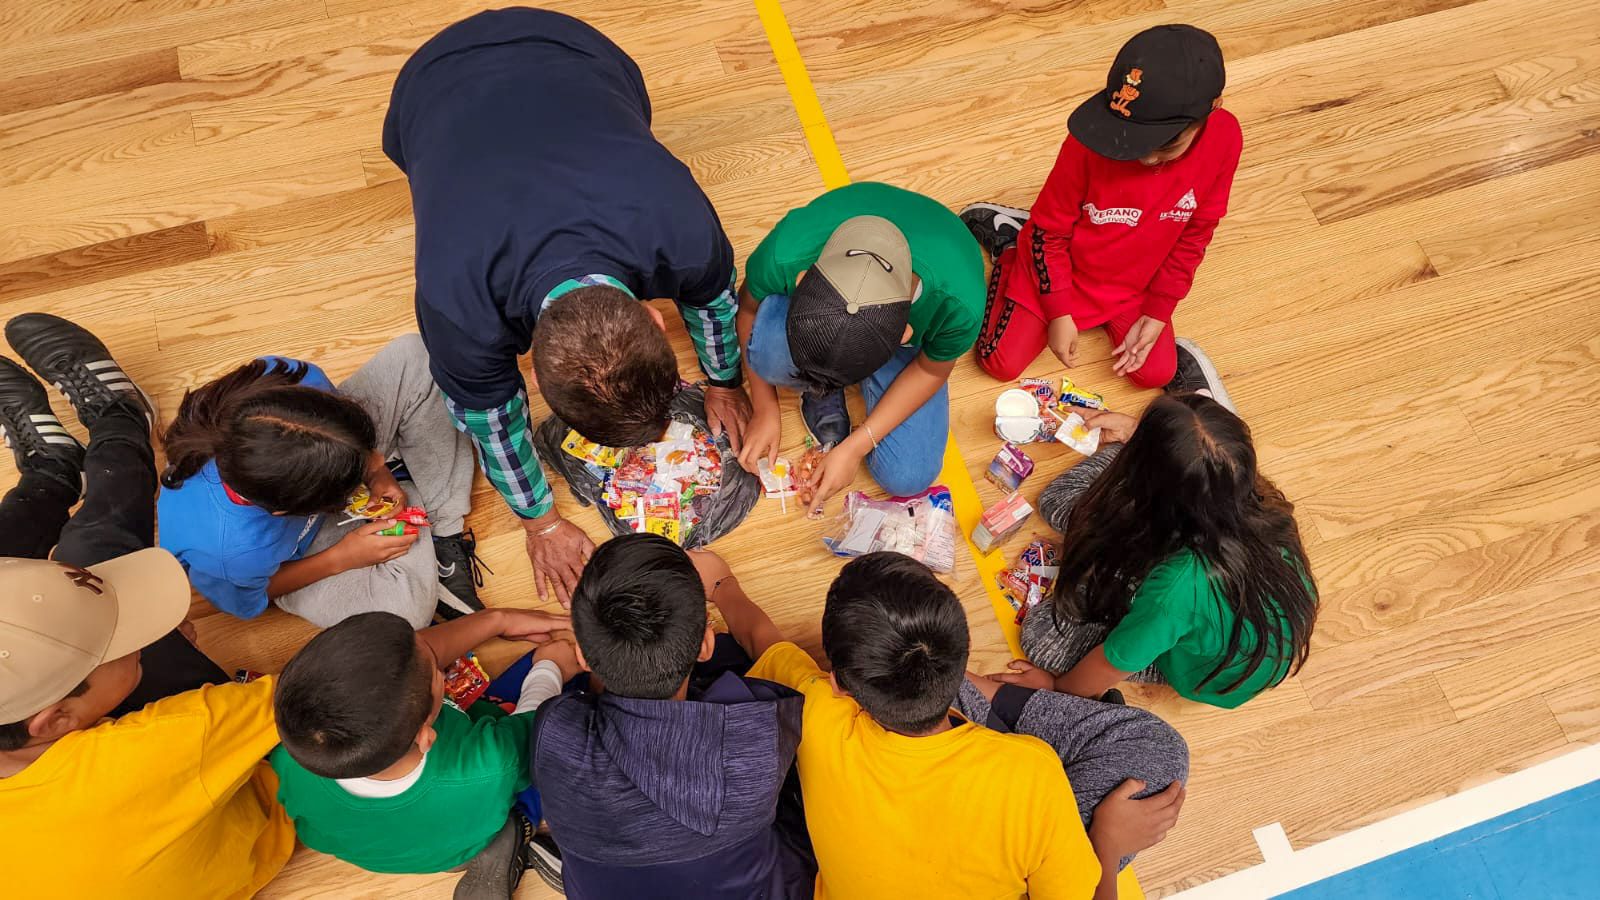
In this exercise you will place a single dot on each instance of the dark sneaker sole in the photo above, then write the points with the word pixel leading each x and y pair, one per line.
pixel 1219 393
pixel 546 866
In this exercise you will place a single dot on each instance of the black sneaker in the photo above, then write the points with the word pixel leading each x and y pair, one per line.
pixel 459 577
pixel 826 417
pixel 38 441
pixel 544 858
pixel 996 227
pixel 1113 696
pixel 497 869
pixel 78 364
pixel 1198 374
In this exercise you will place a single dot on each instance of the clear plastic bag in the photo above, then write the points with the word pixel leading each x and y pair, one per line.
pixel 922 527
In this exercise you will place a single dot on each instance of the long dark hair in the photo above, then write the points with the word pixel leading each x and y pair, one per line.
pixel 281 445
pixel 1187 480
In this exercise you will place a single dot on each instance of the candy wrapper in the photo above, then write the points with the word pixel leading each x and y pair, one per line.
pixel 1031 578
pixel 654 488
pixel 922 527
pixel 1009 468
pixel 363 505
pixel 465 681
pixel 777 478
pixel 1073 432
pixel 1072 395
pixel 802 475
pixel 580 447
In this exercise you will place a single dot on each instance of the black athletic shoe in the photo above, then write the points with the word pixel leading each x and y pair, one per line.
pixel 544 858
pixel 996 227
pixel 826 417
pixel 497 869
pixel 78 364
pixel 1113 696
pixel 1197 373
pixel 38 441
pixel 459 576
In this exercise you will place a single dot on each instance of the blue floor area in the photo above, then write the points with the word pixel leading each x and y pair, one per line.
pixel 1549 850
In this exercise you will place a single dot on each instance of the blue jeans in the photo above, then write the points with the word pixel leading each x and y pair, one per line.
pixel 909 458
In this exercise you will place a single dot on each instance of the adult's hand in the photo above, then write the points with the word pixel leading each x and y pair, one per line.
pixel 1062 335
pixel 761 439
pixel 1136 344
pixel 728 412
pixel 558 550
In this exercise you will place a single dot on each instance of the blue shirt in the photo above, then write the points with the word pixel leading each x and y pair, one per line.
pixel 231 550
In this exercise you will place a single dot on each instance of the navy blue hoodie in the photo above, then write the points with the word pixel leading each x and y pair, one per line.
pixel 526 137
pixel 673 800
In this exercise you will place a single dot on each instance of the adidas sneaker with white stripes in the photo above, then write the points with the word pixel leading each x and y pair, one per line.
pixel 38 440
pixel 78 364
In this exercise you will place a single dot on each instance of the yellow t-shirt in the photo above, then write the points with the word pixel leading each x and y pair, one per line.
pixel 170 801
pixel 969 813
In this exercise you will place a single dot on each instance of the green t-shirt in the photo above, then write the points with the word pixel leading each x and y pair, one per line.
pixel 470 778
pixel 945 319
pixel 1179 621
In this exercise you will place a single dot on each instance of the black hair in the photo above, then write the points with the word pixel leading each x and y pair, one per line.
pixel 639 613
pixel 605 367
pixel 1187 480
pixel 15 736
pixel 351 702
pixel 897 639
pixel 281 445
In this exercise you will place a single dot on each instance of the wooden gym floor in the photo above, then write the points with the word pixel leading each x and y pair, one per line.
pixel 1404 301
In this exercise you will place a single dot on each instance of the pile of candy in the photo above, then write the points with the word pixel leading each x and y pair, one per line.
pixel 362 505
pixel 655 488
pixel 1032 578
pixel 465 681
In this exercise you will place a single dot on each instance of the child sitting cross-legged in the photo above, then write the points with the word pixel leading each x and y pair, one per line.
pixel 663 773
pixel 380 770
pixel 905 799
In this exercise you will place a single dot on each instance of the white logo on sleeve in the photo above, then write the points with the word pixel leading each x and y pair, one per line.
pixel 1116 215
pixel 1184 210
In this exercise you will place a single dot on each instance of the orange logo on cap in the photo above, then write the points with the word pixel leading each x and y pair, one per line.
pixel 82 578
pixel 1128 93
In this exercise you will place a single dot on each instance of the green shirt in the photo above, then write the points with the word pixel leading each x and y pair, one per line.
pixel 945 319
pixel 1181 622
pixel 469 782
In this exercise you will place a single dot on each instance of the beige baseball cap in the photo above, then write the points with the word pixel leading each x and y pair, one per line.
pixel 868 261
pixel 59 622
pixel 848 314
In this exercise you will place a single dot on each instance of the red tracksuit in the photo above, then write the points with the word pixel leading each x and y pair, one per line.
pixel 1107 242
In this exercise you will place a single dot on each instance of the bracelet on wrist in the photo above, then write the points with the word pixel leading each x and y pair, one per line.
pixel 547 529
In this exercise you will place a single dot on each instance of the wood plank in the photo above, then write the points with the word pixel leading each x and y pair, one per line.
pixel 97 262
pixel 1577 708
pixel 111 76
pixel 297 220
pixel 1522 668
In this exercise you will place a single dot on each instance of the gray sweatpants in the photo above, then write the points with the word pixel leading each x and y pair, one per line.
pixel 1101 745
pixel 397 390
pixel 1059 643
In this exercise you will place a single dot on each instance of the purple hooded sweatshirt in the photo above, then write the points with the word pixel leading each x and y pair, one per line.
pixel 673 799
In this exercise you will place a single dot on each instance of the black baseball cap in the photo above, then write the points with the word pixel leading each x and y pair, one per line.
pixel 848 314
pixel 1165 79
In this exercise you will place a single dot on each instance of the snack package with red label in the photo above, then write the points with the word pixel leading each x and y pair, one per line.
pixel 1032 577
pixel 465 681
pixel 1000 521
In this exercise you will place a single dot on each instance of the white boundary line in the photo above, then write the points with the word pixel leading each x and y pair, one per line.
pixel 1285 869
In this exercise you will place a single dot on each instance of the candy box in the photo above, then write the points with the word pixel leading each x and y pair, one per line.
pixel 1000 522
pixel 1072 395
pixel 465 681
pixel 1009 468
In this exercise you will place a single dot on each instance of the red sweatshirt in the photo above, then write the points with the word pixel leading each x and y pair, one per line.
pixel 1107 235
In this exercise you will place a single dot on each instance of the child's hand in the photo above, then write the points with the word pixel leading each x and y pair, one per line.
pixel 1027 675
pixel 837 469
pixel 563 651
pixel 1063 339
pixel 1136 344
pixel 712 568
pixel 382 486
pixel 1114 427
pixel 366 547
pixel 532 625
pixel 762 437
pixel 1123 826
